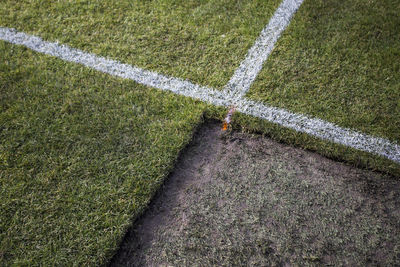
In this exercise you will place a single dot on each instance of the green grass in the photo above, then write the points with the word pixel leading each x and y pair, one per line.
pixel 203 41
pixel 81 153
pixel 339 61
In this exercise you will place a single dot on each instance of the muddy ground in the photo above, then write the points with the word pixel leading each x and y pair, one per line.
pixel 241 199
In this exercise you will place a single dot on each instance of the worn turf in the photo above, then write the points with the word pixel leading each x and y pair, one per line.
pixel 244 200
pixel 203 41
pixel 339 61
pixel 81 154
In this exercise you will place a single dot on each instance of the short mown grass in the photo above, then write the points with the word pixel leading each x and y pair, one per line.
pixel 81 153
pixel 203 41
pixel 339 61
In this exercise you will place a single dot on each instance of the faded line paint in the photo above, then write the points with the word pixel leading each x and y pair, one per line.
pixel 316 127
pixel 249 68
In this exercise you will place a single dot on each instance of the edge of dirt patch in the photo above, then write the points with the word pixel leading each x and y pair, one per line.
pixel 236 198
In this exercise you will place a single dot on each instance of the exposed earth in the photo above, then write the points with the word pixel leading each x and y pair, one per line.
pixel 242 199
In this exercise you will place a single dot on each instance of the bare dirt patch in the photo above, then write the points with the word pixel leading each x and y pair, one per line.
pixel 241 199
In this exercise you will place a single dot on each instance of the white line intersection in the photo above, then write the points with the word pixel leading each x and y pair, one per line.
pixel 233 94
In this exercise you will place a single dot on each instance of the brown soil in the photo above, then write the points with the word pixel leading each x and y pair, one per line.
pixel 241 199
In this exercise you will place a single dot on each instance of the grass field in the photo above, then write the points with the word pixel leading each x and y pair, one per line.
pixel 203 41
pixel 339 61
pixel 82 152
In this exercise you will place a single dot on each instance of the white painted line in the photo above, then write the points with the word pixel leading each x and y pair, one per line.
pixel 322 129
pixel 113 67
pixel 316 127
pixel 249 68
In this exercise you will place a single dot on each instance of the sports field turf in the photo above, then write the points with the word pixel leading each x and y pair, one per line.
pixel 203 41
pixel 339 61
pixel 82 152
